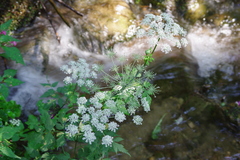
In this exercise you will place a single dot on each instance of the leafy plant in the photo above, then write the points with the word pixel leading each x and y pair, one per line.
pixel 7 42
pixel 83 112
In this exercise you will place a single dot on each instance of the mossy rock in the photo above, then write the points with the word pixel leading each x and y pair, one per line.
pixel 21 11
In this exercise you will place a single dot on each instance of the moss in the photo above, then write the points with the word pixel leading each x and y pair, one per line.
pixel 21 11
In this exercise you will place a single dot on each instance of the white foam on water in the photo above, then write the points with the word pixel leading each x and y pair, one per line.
pixel 212 50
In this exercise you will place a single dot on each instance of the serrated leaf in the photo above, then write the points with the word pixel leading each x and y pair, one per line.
pixel 48 141
pixel 46 120
pixel 46 156
pixel 8 152
pixel 8 132
pixel 45 84
pixel 120 148
pixel 9 73
pixel 32 121
pixel 48 93
pixel 13 82
pixel 60 141
pixel 13 53
pixel 54 84
pixel 7 38
pixel 61 102
pixel 118 139
pixel 63 156
pixel 4 90
pixel 6 25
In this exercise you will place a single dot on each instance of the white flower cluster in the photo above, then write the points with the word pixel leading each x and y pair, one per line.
pixel 80 72
pixel 95 117
pixel 103 112
pixel 71 129
pixel 107 140
pixel 162 27
pixel 132 29
pixel 15 122
pixel 137 120
pixel 145 104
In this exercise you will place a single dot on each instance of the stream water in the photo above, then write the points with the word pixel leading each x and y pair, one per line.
pixel 194 82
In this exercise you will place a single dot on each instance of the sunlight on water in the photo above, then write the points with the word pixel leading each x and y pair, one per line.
pixel 211 49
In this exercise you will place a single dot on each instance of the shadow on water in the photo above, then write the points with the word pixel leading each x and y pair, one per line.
pixel 195 127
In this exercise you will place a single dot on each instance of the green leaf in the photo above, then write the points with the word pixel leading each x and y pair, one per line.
pixel 54 84
pixel 157 129
pixel 4 90
pixel 32 122
pixel 13 53
pixel 60 140
pixel 7 38
pixel 118 139
pixel 8 152
pixel 45 119
pixel 6 25
pixel 63 156
pixel 119 148
pixel 8 132
pixel 13 82
pixel 48 93
pixel 45 84
pixel 8 109
pixel 9 73
pixel 48 142
pixel 61 102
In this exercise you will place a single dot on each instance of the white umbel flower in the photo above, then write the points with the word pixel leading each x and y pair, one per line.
pixel 100 95
pixel 107 140
pixel 100 127
pixel 71 130
pixel 113 126
pixel 15 122
pixel 86 128
pixel 137 120
pixel 145 104
pixel 110 103
pixel 67 80
pixel 120 117
pixel 73 118
pixel 81 100
pixel 85 117
pixel 89 137
pixel 81 109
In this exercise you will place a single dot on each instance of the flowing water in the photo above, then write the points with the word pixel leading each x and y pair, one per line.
pixel 199 86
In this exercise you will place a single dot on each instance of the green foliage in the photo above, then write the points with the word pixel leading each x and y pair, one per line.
pixel 6 42
pixel 5 26
pixel 79 111
pixel 8 109
pixel 12 53
pixel 157 128
pixel 8 133
pixel 8 80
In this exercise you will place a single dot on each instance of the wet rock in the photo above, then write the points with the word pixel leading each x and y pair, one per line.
pixel 106 18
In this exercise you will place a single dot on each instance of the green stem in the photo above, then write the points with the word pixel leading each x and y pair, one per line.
pixel 153 50
pixel 75 87
pixel 75 147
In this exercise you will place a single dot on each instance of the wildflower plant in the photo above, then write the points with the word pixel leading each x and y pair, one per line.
pixel 88 114
pixel 10 125
pixel 161 28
